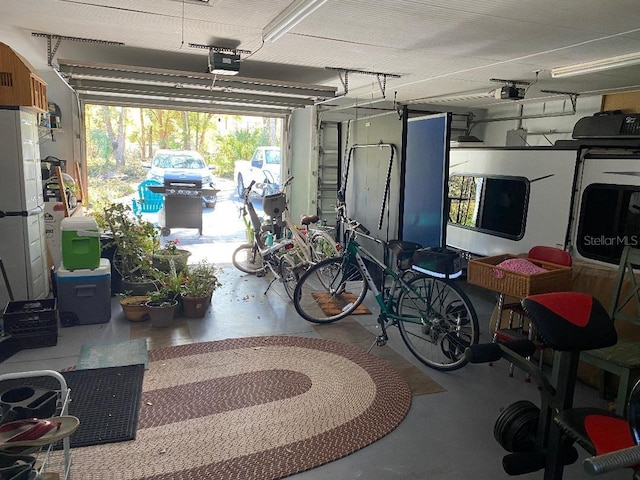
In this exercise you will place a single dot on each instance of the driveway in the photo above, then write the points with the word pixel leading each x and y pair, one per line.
pixel 222 228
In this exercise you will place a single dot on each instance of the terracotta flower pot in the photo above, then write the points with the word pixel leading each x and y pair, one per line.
pixel 196 307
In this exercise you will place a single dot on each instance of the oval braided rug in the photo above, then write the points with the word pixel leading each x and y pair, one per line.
pixel 252 408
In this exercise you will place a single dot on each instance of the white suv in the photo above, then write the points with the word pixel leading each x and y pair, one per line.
pixel 182 162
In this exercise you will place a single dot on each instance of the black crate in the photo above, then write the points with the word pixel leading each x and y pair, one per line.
pixel 9 346
pixel 31 317
pixel 44 338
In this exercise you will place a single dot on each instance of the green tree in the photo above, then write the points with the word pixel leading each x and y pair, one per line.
pixel 119 139
pixel 238 145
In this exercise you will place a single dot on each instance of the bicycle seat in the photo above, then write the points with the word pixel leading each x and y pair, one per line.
pixel 309 219
pixel 570 321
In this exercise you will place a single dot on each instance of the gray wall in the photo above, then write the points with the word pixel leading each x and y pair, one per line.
pixel 67 140
pixel 368 172
pixel 557 123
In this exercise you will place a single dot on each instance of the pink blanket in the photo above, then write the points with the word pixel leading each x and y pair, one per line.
pixel 520 265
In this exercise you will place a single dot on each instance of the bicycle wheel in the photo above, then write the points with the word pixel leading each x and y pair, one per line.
pixel 247 258
pixel 445 322
pixel 329 290
pixel 289 274
pixel 322 246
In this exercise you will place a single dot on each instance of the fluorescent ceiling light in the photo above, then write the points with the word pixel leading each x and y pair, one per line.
pixel 596 65
pixel 456 97
pixel 289 18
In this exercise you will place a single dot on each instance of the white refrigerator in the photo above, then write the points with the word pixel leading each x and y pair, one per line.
pixel 22 227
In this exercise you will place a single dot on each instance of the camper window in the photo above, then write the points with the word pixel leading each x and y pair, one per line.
pixel 495 205
pixel 609 220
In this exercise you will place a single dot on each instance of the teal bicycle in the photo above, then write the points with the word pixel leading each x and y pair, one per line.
pixel 436 320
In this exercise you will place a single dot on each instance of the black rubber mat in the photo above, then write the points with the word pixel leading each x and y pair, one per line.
pixel 106 400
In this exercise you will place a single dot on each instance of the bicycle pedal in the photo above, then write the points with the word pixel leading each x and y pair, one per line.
pixel 261 273
pixel 381 341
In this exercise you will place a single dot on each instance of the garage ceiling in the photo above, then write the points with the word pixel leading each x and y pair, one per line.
pixel 430 50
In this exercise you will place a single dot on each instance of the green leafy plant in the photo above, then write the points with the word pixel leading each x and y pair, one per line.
pixel 170 251
pixel 201 280
pixel 134 239
pixel 169 285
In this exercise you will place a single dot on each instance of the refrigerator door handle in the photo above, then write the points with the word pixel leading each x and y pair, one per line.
pixel 22 213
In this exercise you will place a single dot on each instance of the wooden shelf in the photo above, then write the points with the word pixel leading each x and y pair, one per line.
pixel 19 84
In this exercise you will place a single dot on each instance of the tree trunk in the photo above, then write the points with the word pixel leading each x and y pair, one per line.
pixel 106 113
pixel 120 141
pixel 142 137
pixel 186 130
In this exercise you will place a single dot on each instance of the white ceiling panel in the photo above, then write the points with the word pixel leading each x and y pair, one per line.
pixel 437 47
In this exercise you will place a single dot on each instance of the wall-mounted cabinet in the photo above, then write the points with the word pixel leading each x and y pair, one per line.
pixel 627 102
pixel 19 85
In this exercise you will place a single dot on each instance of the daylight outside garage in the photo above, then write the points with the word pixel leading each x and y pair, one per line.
pixel 128 149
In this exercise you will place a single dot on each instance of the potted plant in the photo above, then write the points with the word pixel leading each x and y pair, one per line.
pixel 163 301
pixel 133 240
pixel 200 283
pixel 170 251
pixel 135 307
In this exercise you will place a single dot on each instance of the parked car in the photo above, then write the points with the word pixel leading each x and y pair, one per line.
pixel 263 168
pixel 183 162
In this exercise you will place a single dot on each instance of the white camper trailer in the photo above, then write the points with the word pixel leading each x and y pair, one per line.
pixel 583 199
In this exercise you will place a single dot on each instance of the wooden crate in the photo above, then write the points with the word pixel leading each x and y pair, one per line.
pixel 484 273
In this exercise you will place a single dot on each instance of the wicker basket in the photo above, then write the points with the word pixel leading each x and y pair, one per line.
pixel 482 272
pixel 134 308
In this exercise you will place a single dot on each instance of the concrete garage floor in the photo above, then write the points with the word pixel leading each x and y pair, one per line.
pixel 446 436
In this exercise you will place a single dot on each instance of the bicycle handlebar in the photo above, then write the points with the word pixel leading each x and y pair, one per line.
pixel 287 182
pixel 363 229
pixel 351 224
pixel 247 191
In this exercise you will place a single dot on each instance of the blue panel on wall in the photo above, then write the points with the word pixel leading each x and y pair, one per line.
pixel 425 180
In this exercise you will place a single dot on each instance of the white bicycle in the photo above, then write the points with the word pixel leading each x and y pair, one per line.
pixel 278 245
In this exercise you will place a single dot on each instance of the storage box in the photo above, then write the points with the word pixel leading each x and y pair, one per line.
pixel 31 323
pixel 80 243
pixel 84 295
pixel 484 273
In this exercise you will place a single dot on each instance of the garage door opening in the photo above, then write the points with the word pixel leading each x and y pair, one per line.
pixel 126 146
